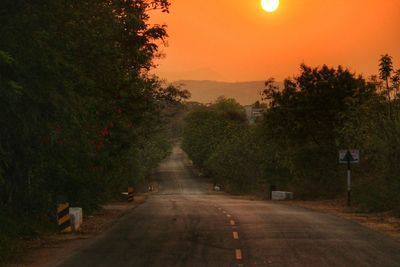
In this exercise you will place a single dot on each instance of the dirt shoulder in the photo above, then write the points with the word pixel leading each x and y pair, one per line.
pixel 384 222
pixel 50 250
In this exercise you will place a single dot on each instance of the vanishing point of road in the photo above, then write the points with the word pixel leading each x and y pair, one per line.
pixel 184 224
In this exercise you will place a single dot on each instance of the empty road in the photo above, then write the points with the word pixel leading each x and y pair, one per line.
pixel 186 225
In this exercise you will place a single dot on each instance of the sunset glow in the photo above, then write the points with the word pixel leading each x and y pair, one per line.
pixel 270 5
pixel 236 40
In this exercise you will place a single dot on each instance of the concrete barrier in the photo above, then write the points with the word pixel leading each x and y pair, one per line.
pixel 76 215
pixel 281 195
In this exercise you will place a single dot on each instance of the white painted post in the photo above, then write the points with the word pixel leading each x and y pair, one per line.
pixel 348 184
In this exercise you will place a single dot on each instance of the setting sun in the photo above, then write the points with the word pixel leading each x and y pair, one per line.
pixel 270 5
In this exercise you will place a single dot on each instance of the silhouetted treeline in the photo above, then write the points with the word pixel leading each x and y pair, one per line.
pixel 80 118
pixel 294 145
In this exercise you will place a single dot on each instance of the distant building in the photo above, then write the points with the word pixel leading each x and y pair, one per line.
pixel 252 113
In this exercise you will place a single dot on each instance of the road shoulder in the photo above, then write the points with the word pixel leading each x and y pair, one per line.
pixel 384 222
pixel 50 250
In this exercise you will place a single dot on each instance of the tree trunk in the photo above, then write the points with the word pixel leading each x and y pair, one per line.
pixel 388 95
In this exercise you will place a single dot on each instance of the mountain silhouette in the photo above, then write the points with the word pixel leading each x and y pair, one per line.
pixel 208 91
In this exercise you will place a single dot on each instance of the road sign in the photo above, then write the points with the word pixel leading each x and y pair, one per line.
pixel 349 156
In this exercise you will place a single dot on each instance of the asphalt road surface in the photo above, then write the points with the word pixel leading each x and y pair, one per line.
pixel 186 225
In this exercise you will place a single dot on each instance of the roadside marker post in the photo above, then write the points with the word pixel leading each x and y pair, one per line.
pixel 130 194
pixel 349 156
pixel 63 218
pixel 348 183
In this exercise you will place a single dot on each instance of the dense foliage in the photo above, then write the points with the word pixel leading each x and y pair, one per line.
pixel 295 145
pixel 80 116
pixel 305 120
pixel 217 139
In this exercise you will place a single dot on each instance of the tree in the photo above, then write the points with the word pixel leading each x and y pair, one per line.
pixel 395 82
pixel 206 127
pixel 235 162
pixel 385 70
pixel 304 119
pixel 218 139
pixel 80 115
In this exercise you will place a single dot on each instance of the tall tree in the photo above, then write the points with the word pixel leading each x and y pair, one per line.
pixel 385 71
pixel 396 82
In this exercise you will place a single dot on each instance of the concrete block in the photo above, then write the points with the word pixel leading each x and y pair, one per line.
pixel 281 195
pixel 76 216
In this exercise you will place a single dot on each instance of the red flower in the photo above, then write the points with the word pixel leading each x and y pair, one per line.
pixel 104 132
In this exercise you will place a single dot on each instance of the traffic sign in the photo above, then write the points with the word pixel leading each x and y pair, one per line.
pixel 349 156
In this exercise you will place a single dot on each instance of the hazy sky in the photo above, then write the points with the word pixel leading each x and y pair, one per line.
pixel 235 40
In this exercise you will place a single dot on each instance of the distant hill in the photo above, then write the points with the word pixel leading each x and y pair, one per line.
pixel 208 91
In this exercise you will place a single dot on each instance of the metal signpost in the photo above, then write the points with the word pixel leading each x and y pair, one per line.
pixel 349 156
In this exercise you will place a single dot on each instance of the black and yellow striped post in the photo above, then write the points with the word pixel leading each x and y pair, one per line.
pixel 130 194
pixel 63 218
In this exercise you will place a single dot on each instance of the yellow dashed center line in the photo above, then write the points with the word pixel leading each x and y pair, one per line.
pixel 238 254
pixel 235 235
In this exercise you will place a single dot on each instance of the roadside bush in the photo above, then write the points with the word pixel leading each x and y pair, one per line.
pixel 377 183
pixel 8 236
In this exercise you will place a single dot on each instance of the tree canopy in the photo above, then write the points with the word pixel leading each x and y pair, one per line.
pixel 294 147
pixel 81 117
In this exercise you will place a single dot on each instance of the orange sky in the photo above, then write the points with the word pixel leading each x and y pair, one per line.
pixel 235 40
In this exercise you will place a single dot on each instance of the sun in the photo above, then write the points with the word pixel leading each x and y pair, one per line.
pixel 270 5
